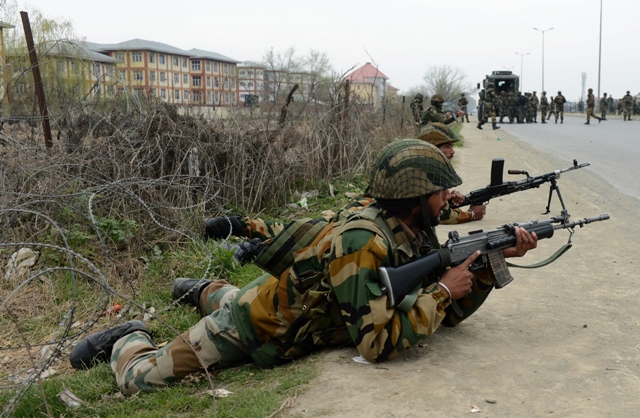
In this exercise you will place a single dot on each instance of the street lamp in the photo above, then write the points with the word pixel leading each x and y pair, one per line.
pixel 543 31
pixel 521 77
pixel 600 49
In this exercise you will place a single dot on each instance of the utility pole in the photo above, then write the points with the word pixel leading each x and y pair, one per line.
pixel 521 63
pixel 543 31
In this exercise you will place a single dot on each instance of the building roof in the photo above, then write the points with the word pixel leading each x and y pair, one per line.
pixel 391 88
pixel 142 45
pixel 365 74
pixel 201 53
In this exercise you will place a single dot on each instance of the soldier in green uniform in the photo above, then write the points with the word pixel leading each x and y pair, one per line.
pixel 463 102
pixel 332 295
pixel 417 108
pixel 604 106
pixel 434 113
pixel 489 108
pixel 512 104
pixel 591 107
pixel 559 101
pixel 627 101
pixel 534 102
pixel 544 105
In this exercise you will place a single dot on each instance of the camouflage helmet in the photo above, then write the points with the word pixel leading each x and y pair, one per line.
pixel 589 89
pixel 605 94
pixel 559 92
pixel 628 92
pixel 462 94
pixel 419 96
pixel 438 134
pixel 437 99
pixel 544 92
pixel 410 168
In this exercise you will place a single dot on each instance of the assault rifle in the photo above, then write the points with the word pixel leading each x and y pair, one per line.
pixel 397 282
pixel 500 188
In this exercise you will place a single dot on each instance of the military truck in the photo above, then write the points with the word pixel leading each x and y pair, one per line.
pixel 502 81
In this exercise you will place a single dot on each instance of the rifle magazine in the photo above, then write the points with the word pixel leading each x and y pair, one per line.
pixel 499 269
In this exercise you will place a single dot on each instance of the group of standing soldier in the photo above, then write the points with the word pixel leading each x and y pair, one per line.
pixel 523 108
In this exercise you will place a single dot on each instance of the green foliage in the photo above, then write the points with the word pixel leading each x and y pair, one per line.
pixel 120 232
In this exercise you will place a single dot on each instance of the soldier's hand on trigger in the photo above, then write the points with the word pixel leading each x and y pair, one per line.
pixel 458 279
pixel 456 197
pixel 525 241
pixel 478 211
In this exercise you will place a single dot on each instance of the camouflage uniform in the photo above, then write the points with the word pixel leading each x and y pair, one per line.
pixel 434 114
pixel 559 100
pixel 503 105
pixel 417 108
pixel 489 110
pixel 276 319
pixel 463 102
pixel 591 107
pixel 527 108
pixel 512 104
pixel 628 106
pixel 544 105
pixel 604 106
pixel 534 106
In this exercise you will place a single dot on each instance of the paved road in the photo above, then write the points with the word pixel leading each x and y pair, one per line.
pixel 612 147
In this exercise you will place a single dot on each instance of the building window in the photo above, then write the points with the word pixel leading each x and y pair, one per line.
pixel 216 97
pixel 110 91
pixel 197 96
pixel 152 57
pixel 163 93
pixel 250 73
pixel 226 98
pixel 138 76
pixel 233 70
pixel 225 68
pixel 176 78
pixel 208 81
pixel 209 99
pixel 96 69
pixel 185 79
pixel 108 70
pixel 136 56
pixel 184 62
pixel 176 62
pixel 152 76
pixel 119 56
pixel 163 76
pixel 162 59
pixel 216 81
pixel 195 65
pixel 186 96
pixel 226 83
pixel 250 83
pixel 196 81
pixel 259 73
pixel 242 73
pixel 208 65
pixel 176 94
pixel 215 67
pixel 152 92
pixel 233 98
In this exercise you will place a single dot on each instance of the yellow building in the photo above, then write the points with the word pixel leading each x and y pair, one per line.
pixel 368 85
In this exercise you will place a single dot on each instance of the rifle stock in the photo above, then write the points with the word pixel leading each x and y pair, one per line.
pixel 397 282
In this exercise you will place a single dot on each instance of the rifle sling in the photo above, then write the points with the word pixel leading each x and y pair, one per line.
pixel 549 260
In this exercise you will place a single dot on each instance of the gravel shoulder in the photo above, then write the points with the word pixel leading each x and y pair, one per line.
pixel 562 340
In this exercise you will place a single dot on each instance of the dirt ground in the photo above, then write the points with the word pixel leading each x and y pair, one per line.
pixel 562 340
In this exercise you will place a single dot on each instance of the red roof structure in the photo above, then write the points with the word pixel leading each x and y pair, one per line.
pixel 365 74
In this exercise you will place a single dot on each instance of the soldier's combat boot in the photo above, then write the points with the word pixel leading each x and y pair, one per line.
pixel 98 347
pixel 599 119
pixel 220 228
pixel 467 118
pixel 479 125
pixel 562 120
pixel 543 121
pixel 188 290
pixel 586 123
pixel 495 126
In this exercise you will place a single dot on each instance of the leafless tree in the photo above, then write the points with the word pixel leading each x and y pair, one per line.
pixel 447 81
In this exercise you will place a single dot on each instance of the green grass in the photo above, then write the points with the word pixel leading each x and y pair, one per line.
pixel 257 392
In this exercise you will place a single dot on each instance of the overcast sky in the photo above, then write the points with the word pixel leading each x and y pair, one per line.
pixel 402 37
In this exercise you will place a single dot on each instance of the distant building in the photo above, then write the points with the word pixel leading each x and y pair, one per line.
pixel 251 83
pixel 368 85
pixel 194 77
